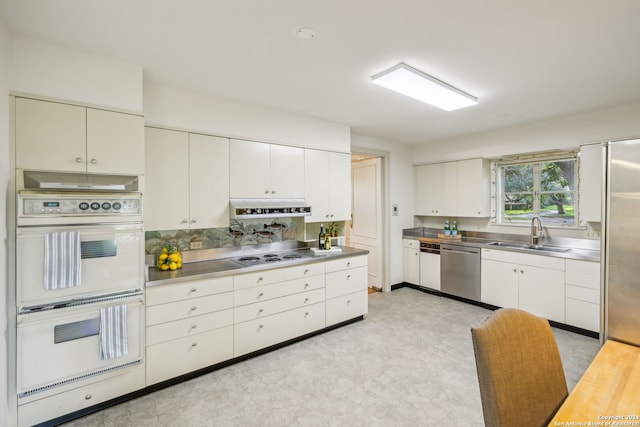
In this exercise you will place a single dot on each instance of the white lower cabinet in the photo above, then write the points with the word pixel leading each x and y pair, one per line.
pixel 189 326
pixel 76 399
pixel 534 283
pixel 411 261
pixel 582 287
pixel 346 284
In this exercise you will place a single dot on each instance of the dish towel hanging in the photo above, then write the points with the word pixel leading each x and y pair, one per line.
pixel 113 332
pixel 62 260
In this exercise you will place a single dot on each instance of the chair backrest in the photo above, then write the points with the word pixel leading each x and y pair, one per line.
pixel 520 372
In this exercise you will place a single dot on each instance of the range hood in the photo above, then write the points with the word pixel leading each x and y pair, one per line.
pixel 268 208
pixel 65 181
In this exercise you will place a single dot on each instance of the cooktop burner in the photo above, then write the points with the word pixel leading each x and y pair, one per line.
pixel 249 258
pixel 270 255
pixel 273 259
pixel 292 256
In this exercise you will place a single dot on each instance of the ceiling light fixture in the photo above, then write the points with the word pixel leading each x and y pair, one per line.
pixel 418 85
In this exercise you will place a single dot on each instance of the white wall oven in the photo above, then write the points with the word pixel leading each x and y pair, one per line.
pixel 79 289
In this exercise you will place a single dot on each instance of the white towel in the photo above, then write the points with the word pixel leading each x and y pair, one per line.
pixel 62 263
pixel 113 332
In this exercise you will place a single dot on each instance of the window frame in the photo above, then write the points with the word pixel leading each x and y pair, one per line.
pixel 536 160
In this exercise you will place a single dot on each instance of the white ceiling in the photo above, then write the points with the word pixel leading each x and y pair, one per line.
pixel 525 60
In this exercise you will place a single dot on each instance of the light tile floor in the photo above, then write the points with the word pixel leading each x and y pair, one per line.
pixel 409 363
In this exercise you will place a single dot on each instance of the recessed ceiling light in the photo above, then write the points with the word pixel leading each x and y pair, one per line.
pixel 305 33
pixel 418 85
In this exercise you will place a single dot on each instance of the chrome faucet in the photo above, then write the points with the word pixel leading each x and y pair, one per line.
pixel 536 232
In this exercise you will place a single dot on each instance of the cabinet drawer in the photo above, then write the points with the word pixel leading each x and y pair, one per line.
pixel 79 398
pixel 188 327
pixel 177 357
pixel 267 308
pixel 301 271
pixel 583 314
pixel 550 262
pixel 248 280
pixel 277 290
pixel 410 243
pixel 582 294
pixel 188 308
pixel 344 263
pixel 260 333
pixel 194 289
pixel 346 282
pixel 583 273
pixel 347 307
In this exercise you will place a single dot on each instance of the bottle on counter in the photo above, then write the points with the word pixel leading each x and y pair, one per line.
pixel 321 238
pixel 454 228
pixel 447 229
pixel 327 241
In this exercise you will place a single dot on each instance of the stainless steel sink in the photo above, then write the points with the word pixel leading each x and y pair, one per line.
pixel 543 248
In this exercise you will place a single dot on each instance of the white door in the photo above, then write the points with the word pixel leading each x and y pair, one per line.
pixel 366 228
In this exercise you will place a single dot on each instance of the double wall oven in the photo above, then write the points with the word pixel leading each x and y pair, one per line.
pixel 79 284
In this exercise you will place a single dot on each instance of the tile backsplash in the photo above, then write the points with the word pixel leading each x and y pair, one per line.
pixel 239 233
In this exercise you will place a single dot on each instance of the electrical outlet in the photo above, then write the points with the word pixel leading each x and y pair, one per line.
pixel 195 245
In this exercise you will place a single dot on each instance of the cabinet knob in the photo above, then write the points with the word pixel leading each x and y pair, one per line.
pixel 273 191
pixel 515 271
pixel 348 302
pixel 306 271
pixel 306 285
pixel 326 216
pixel 331 215
pixel 306 300
pixel 194 344
pixel 306 314
pixel 348 264
pixel 348 276
pixel 260 327
pixel 259 279
pixel 87 397
pixel 260 311
pixel 193 220
pixel 521 271
pixel 94 161
pixel 184 221
pixel 193 290
pixel 194 326
pixel 193 308
pixel 79 160
pixel 266 191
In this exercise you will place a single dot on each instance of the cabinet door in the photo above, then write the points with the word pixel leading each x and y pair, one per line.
pixel 249 170
pixel 425 186
pixel 316 183
pixel 339 187
pixel 166 197
pixel 447 188
pixel 411 265
pixel 115 142
pixel 208 181
pixel 541 292
pixel 499 283
pixel 590 183
pixel 286 168
pixel 473 188
pixel 50 136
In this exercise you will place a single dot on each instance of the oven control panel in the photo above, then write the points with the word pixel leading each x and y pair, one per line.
pixel 58 205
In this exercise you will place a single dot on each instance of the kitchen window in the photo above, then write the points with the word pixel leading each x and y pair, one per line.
pixel 538 185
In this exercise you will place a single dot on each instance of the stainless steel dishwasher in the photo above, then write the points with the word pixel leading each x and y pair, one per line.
pixel 460 271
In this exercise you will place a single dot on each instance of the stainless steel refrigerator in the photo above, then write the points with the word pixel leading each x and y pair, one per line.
pixel 621 242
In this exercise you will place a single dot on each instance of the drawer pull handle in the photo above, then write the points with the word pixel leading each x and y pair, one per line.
pixel 306 300
pixel 193 289
pixel 260 327
pixel 79 160
pixel 193 308
pixel 260 311
pixel 348 264
pixel 194 326
pixel 348 276
pixel 515 270
pixel 194 344
pixel 94 161
pixel 306 271
pixel 521 271
pixel 259 279
pixel 348 302
pixel 306 314
pixel 88 397
pixel 306 285
pixel 261 294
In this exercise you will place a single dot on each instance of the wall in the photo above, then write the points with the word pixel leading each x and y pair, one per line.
pixel 559 133
pixel 47 70
pixel 4 183
pixel 171 107
pixel 399 188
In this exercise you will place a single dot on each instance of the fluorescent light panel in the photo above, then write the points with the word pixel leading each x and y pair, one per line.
pixel 414 83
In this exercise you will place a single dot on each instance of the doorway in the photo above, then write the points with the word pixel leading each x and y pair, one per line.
pixel 366 230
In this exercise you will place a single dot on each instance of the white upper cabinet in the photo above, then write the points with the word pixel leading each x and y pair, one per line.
pixel 62 137
pixel 590 183
pixel 187 180
pixel 436 189
pixel 459 188
pixel 327 185
pixel 259 170
pixel 474 188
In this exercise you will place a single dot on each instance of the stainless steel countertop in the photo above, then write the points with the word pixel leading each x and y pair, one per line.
pixel 575 252
pixel 226 267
